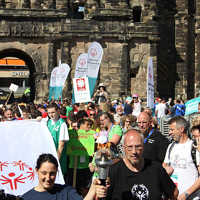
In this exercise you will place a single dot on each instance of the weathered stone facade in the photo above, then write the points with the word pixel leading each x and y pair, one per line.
pixel 43 31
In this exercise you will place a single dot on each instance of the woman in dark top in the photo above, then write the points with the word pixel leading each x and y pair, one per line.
pixel 46 168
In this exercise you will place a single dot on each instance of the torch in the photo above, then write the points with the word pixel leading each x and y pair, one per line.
pixel 103 161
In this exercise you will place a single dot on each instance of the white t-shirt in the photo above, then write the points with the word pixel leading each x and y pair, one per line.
pixel 161 107
pixel 136 109
pixel 185 172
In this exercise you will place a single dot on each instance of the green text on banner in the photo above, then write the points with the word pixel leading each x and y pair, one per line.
pixel 81 143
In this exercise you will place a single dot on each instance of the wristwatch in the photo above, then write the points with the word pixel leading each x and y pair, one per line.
pixel 186 195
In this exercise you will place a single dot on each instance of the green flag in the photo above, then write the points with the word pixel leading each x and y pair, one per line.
pixel 81 143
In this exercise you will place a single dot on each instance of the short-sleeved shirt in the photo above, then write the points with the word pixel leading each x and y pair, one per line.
pixel 58 192
pixel 185 172
pixel 115 130
pixel 149 183
pixel 155 147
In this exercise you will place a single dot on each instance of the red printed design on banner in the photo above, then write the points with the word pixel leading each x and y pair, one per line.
pixel 16 172
pixel 93 52
pixel 81 86
pixel 82 62
pixel 3 164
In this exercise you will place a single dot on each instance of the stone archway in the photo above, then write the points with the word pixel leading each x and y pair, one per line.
pixel 13 52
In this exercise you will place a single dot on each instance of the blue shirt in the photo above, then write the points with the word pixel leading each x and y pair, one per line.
pixel 58 192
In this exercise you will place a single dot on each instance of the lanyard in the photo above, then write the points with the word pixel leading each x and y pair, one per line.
pixel 148 136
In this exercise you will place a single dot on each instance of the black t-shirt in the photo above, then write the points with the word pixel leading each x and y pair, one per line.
pixel 58 192
pixel 155 147
pixel 148 184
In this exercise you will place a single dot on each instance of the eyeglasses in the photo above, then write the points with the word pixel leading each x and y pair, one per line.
pixel 130 148
pixel 142 122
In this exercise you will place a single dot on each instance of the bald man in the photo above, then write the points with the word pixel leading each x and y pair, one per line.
pixel 136 178
pixel 155 144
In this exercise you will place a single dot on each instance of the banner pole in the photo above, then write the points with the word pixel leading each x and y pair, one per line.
pixel 8 98
pixel 75 170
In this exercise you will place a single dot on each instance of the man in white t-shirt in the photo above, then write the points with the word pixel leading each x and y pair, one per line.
pixel 160 110
pixel 178 161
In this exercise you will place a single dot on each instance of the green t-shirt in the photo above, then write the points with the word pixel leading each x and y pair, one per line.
pixel 115 130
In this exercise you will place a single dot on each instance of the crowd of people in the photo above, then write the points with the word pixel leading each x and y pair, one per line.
pixel 158 148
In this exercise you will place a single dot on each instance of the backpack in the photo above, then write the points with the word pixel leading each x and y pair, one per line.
pixel 195 195
pixel 193 153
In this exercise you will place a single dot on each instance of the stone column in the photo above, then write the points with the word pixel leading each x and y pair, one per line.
pixel 114 67
pixel 26 4
pixel 90 8
pixel 181 32
pixel 197 50
pixel 62 4
pixel 66 58
pixel 2 3
pixel 50 4
pixel 36 4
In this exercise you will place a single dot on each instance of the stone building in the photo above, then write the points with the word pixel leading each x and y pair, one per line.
pixel 41 32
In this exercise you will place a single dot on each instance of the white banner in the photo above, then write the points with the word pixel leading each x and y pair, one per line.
pixel 150 84
pixel 95 54
pixel 53 77
pixel 81 90
pixel 21 144
pixel 81 66
pixel 61 74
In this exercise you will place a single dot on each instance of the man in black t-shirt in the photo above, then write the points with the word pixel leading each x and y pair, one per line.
pixel 135 178
pixel 155 144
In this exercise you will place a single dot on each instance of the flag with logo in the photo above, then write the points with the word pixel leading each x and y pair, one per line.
pixel 21 144
pixel 58 77
pixel 95 54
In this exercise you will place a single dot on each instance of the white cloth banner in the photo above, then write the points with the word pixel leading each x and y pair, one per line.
pixel 150 84
pixel 61 74
pixel 81 66
pixel 53 77
pixel 95 54
pixel 21 144
pixel 81 90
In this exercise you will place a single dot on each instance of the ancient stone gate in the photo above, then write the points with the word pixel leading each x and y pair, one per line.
pixel 43 31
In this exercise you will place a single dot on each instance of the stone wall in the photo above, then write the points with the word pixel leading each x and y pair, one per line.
pixel 129 33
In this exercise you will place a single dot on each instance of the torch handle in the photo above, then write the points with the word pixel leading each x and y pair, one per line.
pixel 103 182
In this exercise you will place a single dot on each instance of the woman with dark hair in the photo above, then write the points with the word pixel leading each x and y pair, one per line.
pixel 46 168
pixel 101 94
pixel 114 131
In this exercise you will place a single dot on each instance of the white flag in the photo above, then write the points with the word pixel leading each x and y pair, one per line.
pixel 62 74
pixel 81 66
pixel 21 144
pixel 53 77
pixel 150 84
pixel 95 54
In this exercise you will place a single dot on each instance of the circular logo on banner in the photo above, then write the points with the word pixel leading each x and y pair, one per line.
pixel 15 173
pixel 82 62
pixel 140 192
pixel 62 70
pixel 93 52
